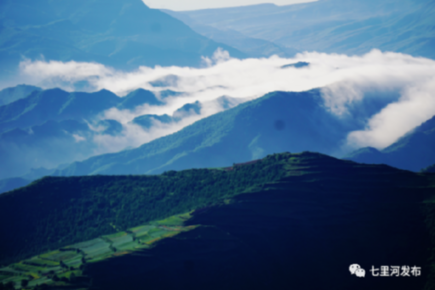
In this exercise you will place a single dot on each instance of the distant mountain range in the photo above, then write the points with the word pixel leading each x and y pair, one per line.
pixel 148 121
pixel 10 95
pixel 58 127
pixel 41 106
pixel 253 47
pixel 277 122
pixel 51 127
pixel 414 151
pixel 56 105
pixel 118 33
pixel 334 26
pixel 55 129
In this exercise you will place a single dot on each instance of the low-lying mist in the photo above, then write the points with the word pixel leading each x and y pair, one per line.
pixel 346 81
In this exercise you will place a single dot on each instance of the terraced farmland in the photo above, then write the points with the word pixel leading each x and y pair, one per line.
pixel 63 267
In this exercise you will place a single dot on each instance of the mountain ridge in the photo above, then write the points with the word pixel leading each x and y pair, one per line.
pixel 349 27
pixel 125 36
pixel 51 127
pixel 12 94
pixel 363 213
pixel 202 144
pixel 58 105
pixel 414 151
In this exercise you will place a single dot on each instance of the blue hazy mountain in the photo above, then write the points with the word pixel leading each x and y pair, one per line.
pixel 119 33
pixel 147 121
pixel 276 122
pixel 54 104
pixel 137 98
pixel 335 26
pixel 188 109
pixel 111 127
pixel 52 127
pixel 414 151
pixel 13 94
pixel 254 47
pixel 58 105
pixel 299 64
pixel 46 145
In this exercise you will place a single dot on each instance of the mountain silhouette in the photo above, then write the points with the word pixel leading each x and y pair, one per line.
pixel 333 26
pixel 414 151
pixel 279 121
pixel 116 33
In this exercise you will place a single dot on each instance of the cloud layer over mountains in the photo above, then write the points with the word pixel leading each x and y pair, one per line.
pixel 406 83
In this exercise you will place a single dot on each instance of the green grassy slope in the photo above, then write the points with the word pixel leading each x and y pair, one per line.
pixel 62 267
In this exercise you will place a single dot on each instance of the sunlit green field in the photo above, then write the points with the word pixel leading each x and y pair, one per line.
pixel 63 266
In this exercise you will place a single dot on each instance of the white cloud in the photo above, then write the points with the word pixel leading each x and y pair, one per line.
pixel 344 81
pixel 78 138
pixel 133 135
pixel 63 74
pixel 416 106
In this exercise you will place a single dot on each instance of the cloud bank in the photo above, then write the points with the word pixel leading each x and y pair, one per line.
pixel 345 81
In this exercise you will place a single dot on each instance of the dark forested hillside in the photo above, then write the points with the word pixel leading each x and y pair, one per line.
pixel 264 224
pixel 12 183
pixel 429 169
pixel 57 211
pixel 69 205
pixel 287 233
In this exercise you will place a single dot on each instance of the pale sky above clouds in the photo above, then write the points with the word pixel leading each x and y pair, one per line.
pixel 185 5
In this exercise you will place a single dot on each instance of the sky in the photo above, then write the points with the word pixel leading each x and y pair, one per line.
pixel 186 5
pixel 345 82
